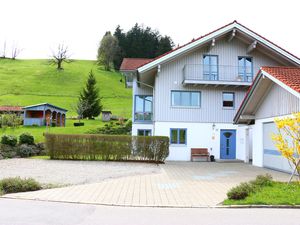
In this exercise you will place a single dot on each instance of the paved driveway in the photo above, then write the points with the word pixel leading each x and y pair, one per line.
pixel 197 184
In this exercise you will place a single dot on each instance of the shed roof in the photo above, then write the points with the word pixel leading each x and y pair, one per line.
pixel 11 109
pixel 45 104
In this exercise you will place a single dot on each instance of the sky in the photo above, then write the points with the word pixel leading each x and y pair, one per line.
pixel 38 26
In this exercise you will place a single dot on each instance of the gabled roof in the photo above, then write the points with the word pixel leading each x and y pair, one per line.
pixel 45 104
pixel 11 109
pixel 286 77
pixel 131 64
pixel 208 37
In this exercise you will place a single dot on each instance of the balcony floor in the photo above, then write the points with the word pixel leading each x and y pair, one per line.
pixel 216 83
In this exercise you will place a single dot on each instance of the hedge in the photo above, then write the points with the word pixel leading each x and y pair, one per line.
pixel 107 147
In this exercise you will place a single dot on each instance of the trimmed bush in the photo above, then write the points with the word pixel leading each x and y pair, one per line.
pixel 9 140
pixel 26 150
pixel 240 192
pixel 107 147
pixel 26 138
pixel 114 128
pixel 17 184
pixel 262 180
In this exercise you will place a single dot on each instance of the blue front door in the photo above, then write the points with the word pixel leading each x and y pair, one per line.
pixel 228 144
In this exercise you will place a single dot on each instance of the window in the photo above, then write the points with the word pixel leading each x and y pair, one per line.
pixel 228 99
pixel 143 108
pixel 210 67
pixel 178 136
pixel 185 98
pixel 144 132
pixel 246 68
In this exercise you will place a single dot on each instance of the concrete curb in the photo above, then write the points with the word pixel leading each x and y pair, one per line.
pixel 164 206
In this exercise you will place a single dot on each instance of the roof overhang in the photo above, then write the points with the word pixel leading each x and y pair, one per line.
pixel 255 95
pixel 207 38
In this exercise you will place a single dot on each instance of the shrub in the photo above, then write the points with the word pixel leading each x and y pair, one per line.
pixel 107 147
pixel 26 150
pixel 26 138
pixel 262 180
pixel 9 140
pixel 17 184
pixel 240 192
pixel 114 128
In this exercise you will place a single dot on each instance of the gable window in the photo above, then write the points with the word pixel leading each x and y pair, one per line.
pixel 185 98
pixel 143 108
pixel 210 67
pixel 143 132
pixel 178 136
pixel 228 99
pixel 245 68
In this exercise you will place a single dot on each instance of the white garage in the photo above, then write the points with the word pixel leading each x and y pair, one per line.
pixel 271 156
pixel 275 93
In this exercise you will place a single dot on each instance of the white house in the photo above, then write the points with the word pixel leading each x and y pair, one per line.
pixel 275 93
pixel 193 92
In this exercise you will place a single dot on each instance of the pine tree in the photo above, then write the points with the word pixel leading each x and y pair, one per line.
pixel 90 97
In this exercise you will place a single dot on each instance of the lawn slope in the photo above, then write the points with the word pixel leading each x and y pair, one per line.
pixel 27 82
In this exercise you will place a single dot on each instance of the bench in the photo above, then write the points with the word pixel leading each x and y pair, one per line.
pixel 199 152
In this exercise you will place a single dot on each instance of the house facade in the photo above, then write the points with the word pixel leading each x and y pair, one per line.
pixel 192 93
pixel 275 93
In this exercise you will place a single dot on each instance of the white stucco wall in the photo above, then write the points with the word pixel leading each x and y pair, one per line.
pixel 199 135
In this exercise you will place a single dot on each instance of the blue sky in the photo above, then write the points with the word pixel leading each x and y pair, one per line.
pixel 37 26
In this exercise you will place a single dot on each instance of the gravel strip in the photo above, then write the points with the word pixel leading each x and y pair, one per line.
pixel 62 172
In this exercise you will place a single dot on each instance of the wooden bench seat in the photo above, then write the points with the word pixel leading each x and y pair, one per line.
pixel 199 153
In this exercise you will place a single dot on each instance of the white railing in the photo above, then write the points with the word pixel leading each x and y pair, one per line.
pixel 199 72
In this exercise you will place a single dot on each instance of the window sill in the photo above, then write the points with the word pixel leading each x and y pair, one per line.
pixel 185 107
pixel 228 108
pixel 178 145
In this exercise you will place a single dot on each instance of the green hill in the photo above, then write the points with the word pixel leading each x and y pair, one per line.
pixel 27 82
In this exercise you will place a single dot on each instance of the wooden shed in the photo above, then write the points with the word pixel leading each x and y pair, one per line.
pixel 44 114
pixel 106 116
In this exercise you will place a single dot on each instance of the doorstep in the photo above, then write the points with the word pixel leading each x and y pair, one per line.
pixel 229 161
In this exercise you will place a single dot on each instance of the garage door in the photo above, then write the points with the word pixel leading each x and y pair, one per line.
pixel 272 158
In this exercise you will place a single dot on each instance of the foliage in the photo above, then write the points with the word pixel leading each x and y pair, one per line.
pixel 26 138
pixel 243 190
pixel 287 140
pixel 10 120
pixel 89 98
pixel 26 150
pixel 107 147
pixel 108 51
pixel 141 42
pixel 278 193
pixel 9 140
pixel 17 184
pixel 114 128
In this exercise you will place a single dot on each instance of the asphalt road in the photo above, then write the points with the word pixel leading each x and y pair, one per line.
pixel 23 212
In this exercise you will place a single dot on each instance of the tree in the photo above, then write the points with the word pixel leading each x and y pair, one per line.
pixel 3 53
pixel 15 51
pixel 89 104
pixel 287 140
pixel 107 51
pixel 141 42
pixel 60 55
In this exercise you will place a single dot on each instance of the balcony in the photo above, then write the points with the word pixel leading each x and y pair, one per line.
pixel 218 75
pixel 143 117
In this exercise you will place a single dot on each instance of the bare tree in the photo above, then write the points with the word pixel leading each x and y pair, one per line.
pixel 3 53
pixel 60 55
pixel 80 108
pixel 15 51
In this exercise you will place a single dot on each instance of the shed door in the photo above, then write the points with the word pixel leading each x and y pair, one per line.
pixel 271 156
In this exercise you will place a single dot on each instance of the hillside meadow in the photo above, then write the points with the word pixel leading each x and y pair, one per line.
pixel 28 82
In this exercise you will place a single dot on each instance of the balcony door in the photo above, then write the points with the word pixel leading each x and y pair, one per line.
pixel 210 67
pixel 246 68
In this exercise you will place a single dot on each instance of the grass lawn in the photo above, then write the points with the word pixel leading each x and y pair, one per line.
pixel 27 82
pixel 277 194
pixel 37 132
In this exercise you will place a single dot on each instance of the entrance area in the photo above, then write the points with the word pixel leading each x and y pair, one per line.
pixel 228 144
